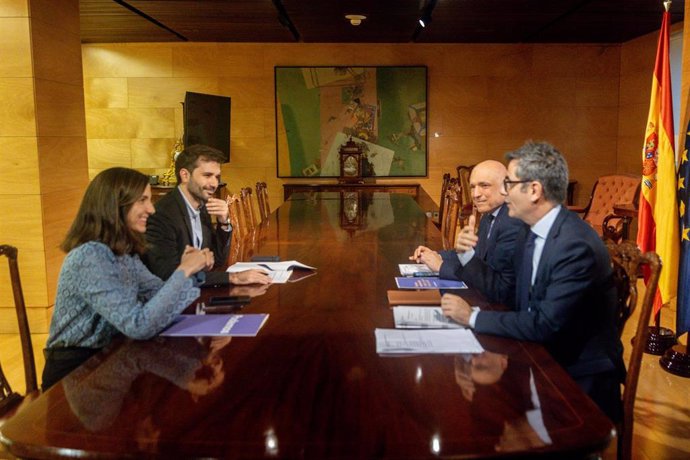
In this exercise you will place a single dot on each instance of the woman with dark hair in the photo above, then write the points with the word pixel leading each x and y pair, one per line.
pixel 104 289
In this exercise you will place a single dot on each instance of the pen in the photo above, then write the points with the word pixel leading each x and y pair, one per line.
pixel 424 274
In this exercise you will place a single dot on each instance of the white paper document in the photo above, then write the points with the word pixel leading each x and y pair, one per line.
pixel 411 269
pixel 280 276
pixel 412 341
pixel 268 266
pixel 412 317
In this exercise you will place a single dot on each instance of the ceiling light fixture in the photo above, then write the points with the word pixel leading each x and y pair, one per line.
pixel 425 20
pixel 355 19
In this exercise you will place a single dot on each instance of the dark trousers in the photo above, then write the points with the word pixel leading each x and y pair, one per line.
pixel 605 390
pixel 62 361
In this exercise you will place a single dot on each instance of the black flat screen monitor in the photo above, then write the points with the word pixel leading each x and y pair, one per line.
pixel 207 121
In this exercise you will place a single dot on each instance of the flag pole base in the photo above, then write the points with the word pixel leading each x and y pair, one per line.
pixel 676 360
pixel 660 339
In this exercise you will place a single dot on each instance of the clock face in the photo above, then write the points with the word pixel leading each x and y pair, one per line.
pixel 350 166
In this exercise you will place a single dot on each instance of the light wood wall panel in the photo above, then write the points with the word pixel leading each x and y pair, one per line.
pixel 14 8
pixel 248 92
pixel 166 92
pixel 32 270
pixel 483 100
pixel 24 228
pixel 59 108
pixel 107 153
pixel 124 60
pixel 637 65
pixel 17 113
pixel 20 176
pixel 218 60
pixel 55 56
pixel 138 123
pixel 15 47
pixel 105 93
pixel 151 154
pixel 63 206
pixel 41 119
pixel 63 163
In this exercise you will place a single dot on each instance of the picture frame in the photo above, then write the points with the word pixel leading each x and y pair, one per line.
pixel 382 108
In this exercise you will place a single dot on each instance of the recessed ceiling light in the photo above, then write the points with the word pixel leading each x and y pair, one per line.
pixel 355 19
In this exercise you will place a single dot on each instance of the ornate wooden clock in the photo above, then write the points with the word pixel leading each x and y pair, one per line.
pixel 350 163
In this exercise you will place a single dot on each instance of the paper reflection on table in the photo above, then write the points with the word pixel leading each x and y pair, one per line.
pixel 488 379
pixel 97 395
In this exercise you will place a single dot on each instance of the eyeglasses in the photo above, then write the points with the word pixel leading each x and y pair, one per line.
pixel 509 184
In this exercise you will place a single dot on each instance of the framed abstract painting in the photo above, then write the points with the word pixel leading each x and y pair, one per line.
pixel 382 109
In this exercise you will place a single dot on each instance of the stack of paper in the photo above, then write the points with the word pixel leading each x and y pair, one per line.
pixel 279 272
pixel 416 270
pixel 428 282
pixel 216 325
pixel 402 341
pixel 409 317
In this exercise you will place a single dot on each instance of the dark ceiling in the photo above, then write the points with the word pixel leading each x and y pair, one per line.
pixel 388 21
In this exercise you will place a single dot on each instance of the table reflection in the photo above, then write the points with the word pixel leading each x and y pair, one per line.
pixel 97 394
pixel 489 378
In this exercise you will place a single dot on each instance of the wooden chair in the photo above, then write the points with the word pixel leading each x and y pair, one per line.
pixel 466 204
pixel 248 208
pixel 449 225
pixel 608 191
pixel 9 398
pixel 627 260
pixel 463 173
pixel 262 199
pixel 238 231
pixel 442 202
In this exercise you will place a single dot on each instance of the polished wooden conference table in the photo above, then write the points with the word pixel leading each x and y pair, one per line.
pixel 310 384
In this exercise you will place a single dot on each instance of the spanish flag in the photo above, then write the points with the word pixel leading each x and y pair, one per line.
pixel 658 215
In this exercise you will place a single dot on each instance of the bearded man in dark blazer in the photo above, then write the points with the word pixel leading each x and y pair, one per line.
pixel 183 220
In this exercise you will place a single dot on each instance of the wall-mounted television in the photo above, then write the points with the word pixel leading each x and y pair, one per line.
pixel 207 121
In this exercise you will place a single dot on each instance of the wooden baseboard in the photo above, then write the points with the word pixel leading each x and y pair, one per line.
pixel 39 319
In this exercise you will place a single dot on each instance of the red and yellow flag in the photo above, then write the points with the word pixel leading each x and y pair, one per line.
pixel 658 216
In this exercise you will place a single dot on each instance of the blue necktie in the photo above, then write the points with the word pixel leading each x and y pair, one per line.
pixel 484 232
pixel 525 277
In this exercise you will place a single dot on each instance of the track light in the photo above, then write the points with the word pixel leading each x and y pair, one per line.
pixel 425 20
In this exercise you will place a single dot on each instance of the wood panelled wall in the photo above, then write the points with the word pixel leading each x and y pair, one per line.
pixel 42 136
pixel 483 101
pixel 589 100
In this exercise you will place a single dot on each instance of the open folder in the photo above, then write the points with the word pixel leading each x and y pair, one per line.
pixel 279 272
pixel 268 266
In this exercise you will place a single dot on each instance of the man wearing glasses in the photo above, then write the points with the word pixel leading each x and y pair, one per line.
pixel 563 293
pixel 494 243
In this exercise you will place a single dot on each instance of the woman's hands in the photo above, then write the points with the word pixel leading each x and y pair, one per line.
pixel 195 260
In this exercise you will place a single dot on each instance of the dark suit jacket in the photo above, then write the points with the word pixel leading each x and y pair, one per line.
pixel 495 252
pixel 571 309
pixel 169 230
